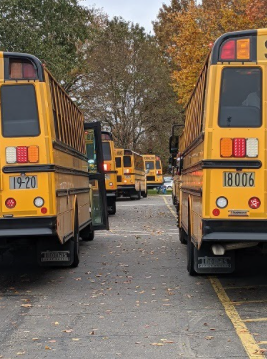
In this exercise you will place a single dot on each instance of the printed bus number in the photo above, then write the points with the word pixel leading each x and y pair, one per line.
pixel 232 179
pixel 29 182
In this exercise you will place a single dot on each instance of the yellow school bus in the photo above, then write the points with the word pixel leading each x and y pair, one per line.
pixel 119 152
pixel 133 179
pixel 110 170
pixel 45 189
pixel 153 168
pixel 221 154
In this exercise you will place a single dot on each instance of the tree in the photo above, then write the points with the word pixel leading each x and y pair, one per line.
pixel 127 85
pixel 49 29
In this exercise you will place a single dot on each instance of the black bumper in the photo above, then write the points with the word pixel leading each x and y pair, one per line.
pixel 122 187
pixel 28 227
pixel 234 231
pixel 154 185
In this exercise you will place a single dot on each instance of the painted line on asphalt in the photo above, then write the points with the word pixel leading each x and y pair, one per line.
pixel 246 287
pixel 263 342
pixel 171 210
pixel 249 302
pixel 250 345
pixel 252 320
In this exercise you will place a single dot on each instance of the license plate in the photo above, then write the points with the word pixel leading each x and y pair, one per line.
pixel 55 256
pixel 239 179
pixel 127 176
pixel 23 182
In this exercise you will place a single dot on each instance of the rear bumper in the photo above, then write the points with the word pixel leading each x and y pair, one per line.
pixel 111 193
pixel 234 231
pixel 154 184
pixel 126 187
pixel 28 227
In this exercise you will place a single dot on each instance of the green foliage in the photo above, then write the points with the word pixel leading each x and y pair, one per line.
pixel 49 29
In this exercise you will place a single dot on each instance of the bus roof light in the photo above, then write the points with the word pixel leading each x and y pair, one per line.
pixel 228 50
pixel 243 49
pixel 22 154
pixel 239 147
pixel 252 147
pixel 11 155
pixel 226 147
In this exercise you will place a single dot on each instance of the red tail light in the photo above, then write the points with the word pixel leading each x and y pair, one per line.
pixel 10 203
pixel 239 147
pixel 228 50
pixel 22 154
pixel 254 202
pixel 105 167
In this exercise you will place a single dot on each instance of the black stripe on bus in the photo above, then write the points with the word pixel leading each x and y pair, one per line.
pixel 106 172
pixel 237 164
pixel 44 168
pixel 78 190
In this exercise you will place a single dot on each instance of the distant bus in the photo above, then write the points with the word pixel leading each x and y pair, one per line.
pixel 220 158
pixel 110 170
pixel 119 152
pixel 153 168
pixel 132 181
pixel 45 189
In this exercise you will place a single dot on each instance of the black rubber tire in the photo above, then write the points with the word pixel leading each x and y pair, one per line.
pixel 76 243
pixel 88 233
pixel 182 236
pixel 138 195
pixel 113 208
pixel 144 194
pixel 174 200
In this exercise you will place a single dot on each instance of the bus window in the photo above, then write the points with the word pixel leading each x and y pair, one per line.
pixel 127 161
pixel 240 101
pixel 106 151
pixel 118 162
pixel 150 165
pixel 19 111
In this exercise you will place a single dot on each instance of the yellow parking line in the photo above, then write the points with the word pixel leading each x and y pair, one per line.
pixel 250 345
pixel 262 342
pixel 255 320
pixel 172 211
pixel 247 287
pixel 249 302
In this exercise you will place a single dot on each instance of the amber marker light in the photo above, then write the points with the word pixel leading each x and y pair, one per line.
pixel 33 154
pixel 226 147
pixel 243 49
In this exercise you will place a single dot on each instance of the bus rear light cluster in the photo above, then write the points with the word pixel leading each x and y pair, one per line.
pixel 235 50
pixel 239 147
pixel 22 154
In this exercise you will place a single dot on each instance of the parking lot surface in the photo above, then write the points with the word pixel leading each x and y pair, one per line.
pixel 132 298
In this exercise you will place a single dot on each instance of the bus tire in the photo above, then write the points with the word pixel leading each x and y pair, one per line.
pixel 112 208
pixel 144 194
pixel 76 242
pixel 138 195
pixel 88 233
pixel 190 250
pixel 182 236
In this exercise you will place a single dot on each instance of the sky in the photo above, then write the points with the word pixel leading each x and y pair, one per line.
pixel 142 12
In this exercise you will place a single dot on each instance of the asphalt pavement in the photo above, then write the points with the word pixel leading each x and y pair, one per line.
pixel 132 298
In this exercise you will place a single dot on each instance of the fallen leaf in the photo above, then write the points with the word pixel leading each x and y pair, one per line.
pixel 157 344
pixel 47 347
pixel 26 305
pixel 209 337
pixel 21 353
pixel 56 323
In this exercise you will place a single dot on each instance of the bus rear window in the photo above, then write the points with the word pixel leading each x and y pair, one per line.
pixel 118 162
pixel 106 151
pixel 241 97
pixel 126 161
pixel 158 166
pixel 150 165
pixel 19 111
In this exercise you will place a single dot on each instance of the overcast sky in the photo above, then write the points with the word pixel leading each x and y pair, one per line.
pixel 137 11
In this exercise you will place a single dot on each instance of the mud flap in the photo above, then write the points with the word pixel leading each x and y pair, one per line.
pixel 205 262
pixel 51 253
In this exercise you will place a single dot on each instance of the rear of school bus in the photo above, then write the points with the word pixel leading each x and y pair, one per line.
pixel 154 175
pixel 40 178
pixel 234 165
pixel 119 164
pixel 110 170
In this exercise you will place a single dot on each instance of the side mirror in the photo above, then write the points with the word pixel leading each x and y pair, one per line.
pixel 173 144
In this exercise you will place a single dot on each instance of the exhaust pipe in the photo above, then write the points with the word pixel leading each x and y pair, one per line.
pixel 219 249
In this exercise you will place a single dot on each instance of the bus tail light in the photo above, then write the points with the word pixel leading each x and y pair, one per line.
pixel 239 147
pixel 243 49
pixel 228 50
pixel 254 202
pixel 226 147
pixel 11 155
pixel 127 170
pixel 33 154
pixel 105 167
pixel 22 154
pixel 252 147
pixel 10 203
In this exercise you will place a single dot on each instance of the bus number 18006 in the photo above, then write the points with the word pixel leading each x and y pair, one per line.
pixel 239 179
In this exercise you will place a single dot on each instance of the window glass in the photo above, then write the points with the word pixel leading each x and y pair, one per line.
pixel 158 165
pixel 106 151
pixel 19 111
pixel 241 97
pixel 150 165
pixel 126 161
pixel 118 162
